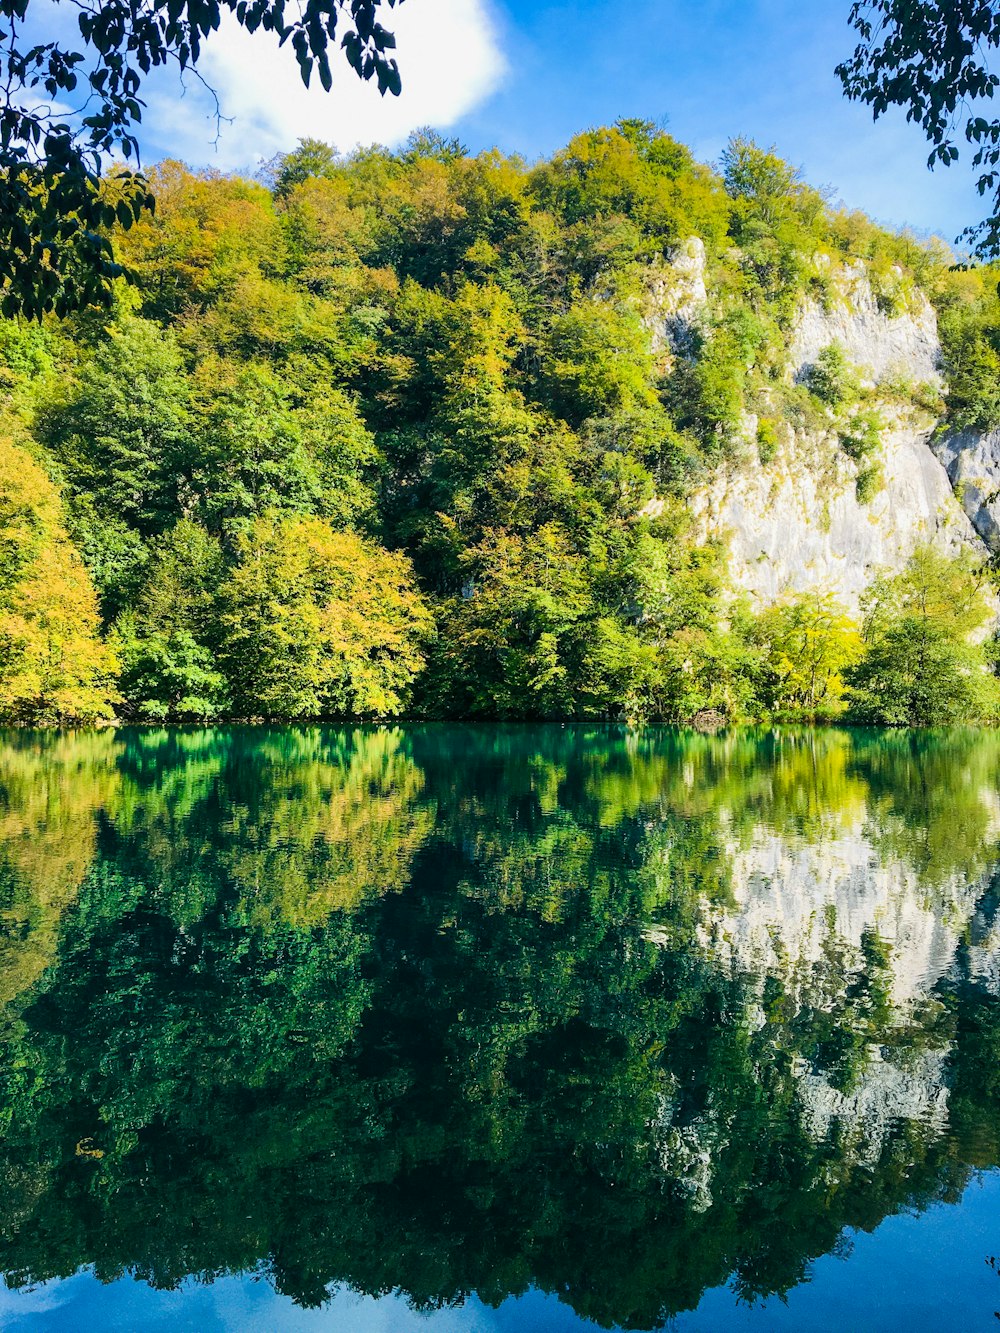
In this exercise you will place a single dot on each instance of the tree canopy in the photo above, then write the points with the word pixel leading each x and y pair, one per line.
pixel 53 666
pixel 422 431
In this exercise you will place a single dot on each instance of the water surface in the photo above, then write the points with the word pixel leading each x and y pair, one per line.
pixel 461 1028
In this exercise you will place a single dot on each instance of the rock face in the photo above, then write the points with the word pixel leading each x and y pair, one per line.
pixel 972 461
pixel 795 523
pixel 984 952
pixel 677 295
pixel 882 344
pixel 886 1094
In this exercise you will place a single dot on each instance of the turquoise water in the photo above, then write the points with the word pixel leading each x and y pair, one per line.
pixel 469 1028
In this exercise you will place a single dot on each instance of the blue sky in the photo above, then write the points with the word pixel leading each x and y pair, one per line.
pixel 526 76
pixel 716 69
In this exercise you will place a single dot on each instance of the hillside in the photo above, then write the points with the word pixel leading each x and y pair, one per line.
pixel 613 435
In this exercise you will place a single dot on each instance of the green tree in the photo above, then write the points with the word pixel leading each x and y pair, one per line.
pixel 706 392
pixel 120 433
pixel 920 666
pixel 489 366
pixel 776 221
pixel 310 158
pixel 252 456
pixel 759 178
pixel 166 677
pixel 832 378
pixel 969 323
pixel 810 643
pixel 914 673
pixel 597 362
pixel 515 643
pixel 166 644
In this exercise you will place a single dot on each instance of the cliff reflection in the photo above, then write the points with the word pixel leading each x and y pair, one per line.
pixel 618 1015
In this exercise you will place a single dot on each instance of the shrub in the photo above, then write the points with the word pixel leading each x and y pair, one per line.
pixel 868 483
pixel 832 378
pixel 862 435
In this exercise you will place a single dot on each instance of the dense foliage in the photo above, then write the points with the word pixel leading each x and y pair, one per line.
pixel 52 664
pixel 413 432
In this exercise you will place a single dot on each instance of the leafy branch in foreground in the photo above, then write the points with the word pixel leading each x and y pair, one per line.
pixel 934 60
pixel 55 208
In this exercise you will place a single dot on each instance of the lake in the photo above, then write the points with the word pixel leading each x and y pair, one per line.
pixel 456 1028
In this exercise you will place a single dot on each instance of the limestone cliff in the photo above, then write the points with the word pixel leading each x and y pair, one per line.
pixel 882 343
pixel 796 522
pixel 793 901
pixel 677 295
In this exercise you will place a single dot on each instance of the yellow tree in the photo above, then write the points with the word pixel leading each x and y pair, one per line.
pixel 810 641
pixel 53 790
pixel 317 622
pixel 53 666
pixel 334 820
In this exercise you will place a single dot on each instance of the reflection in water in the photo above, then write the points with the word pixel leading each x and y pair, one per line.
pixel 622 1016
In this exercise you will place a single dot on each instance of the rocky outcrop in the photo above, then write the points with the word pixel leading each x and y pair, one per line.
pixel 677 295
pixel 800 913
pixel 796 523
pixel 882 345
pixel 972 461
pixel 984 956
pixel 885 1095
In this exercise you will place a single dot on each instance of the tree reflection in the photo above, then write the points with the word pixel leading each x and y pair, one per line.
pixel 52 787
pixel 620 1015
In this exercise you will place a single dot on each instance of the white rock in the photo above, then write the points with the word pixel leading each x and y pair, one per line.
pixel 786 894
pixel 676 296
pixel 797 525
pixel 880 344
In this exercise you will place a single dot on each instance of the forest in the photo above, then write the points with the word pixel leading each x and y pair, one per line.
pixel 386 434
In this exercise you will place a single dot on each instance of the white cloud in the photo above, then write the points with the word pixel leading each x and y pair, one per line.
pixel 449 58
